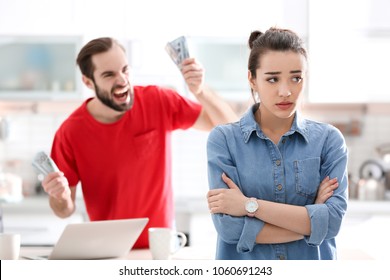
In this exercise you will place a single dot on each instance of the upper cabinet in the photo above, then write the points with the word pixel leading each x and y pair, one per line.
pixel 39 67
pixel 225 61
pixel 349 43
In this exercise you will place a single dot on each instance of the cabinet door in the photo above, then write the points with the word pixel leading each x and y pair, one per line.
pixel 39 67
pixel 348 49
pixel 38 228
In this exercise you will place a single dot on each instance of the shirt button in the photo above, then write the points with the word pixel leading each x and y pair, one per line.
pixel 284 141
pixel 281 257
pixel 280 187
pixel 277 162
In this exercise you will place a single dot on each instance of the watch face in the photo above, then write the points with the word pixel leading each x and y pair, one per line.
pixel 251 206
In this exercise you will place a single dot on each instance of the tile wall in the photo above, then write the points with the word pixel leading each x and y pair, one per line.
pixel 32 130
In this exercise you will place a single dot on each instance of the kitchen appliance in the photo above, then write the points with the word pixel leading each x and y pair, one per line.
pixel 10 187
pixel 372 181
pixel 384 152
pixel 4 128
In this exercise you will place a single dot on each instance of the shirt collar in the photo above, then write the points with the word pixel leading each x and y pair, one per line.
pixel 249 125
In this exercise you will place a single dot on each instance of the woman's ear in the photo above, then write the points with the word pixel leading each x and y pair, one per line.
pixel 252 81
pixel 88 82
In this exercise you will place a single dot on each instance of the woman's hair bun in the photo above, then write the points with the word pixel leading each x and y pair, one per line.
pixel 254 35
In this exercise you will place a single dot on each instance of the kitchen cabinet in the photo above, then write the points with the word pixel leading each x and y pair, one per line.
pixel 34 220
pixel 226 76
pixel 364 231
pixel 349 53
pixel 39 68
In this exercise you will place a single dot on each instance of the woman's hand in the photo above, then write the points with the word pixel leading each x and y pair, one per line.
pixel 229 201
pixel 326 189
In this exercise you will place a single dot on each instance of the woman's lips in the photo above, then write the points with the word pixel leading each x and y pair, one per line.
pixel 284 105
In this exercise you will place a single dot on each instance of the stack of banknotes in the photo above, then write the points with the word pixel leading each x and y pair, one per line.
pixel 178 50
pixel 43 164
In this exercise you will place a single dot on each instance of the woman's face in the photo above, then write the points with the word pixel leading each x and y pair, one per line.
pixel 280 81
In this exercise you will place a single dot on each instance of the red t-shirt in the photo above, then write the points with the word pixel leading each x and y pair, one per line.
pixel 125 167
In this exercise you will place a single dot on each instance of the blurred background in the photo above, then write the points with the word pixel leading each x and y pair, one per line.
pixel 347 41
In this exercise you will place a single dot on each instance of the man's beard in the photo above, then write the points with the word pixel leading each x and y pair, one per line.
pixel 105 98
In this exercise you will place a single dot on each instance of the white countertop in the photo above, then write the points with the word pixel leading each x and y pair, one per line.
pixel 186 253
pixel 198 205
pixel 363 235
pixel 367 239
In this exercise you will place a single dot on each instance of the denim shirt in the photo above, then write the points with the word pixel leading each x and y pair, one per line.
pixel 289 172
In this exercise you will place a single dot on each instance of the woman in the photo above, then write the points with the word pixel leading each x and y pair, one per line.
pixel 271 196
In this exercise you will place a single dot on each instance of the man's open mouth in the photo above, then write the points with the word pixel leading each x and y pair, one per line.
pixel 121 95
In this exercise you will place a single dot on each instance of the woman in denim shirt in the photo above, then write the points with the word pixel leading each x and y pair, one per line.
pixel 271 196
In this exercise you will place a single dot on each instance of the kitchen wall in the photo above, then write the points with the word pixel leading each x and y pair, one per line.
pixel 364 125
pixel 31 129
pixel 145 27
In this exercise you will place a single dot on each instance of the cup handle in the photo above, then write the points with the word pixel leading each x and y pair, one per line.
pixel 183 241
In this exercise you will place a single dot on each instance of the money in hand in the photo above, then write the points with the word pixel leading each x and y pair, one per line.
pixel 44 164
pixel 178 50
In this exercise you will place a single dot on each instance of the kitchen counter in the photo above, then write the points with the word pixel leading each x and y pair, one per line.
pixel 365 229
pixel 364 232
pixel 186 205
pixel 35 221
pixel 355 207
pixel 364 238
pixel 186 253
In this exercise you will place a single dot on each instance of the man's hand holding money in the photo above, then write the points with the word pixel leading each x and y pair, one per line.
pixel 193 74
pixel 56 185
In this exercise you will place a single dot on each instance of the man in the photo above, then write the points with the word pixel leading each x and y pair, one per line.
pixel 117 144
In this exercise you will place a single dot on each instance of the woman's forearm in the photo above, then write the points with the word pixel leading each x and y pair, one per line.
pixel 271 234
pixel 290 217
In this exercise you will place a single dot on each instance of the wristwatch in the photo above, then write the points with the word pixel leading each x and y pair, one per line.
pixel 251 206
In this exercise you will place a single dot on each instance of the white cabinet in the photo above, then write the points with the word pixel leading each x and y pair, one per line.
pixel 365 231
pixel 39 67
pixel 348 49
pixel 35 221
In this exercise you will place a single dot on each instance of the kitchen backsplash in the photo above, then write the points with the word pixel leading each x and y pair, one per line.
pixel 31 131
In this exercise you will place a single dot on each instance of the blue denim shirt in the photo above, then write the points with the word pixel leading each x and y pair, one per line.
pixel 289 173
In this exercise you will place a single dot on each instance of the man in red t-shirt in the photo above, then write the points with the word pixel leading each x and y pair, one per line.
pixel 118 144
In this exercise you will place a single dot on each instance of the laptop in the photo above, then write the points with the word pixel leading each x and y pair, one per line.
pixel 96 240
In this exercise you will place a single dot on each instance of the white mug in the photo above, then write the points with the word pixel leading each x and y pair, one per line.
pixel 9 246
pixel 164 242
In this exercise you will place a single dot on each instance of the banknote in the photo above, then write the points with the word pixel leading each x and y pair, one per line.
pixel 178 50
pixel 44 164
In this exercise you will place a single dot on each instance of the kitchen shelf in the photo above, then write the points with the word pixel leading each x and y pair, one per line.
pixel 39 67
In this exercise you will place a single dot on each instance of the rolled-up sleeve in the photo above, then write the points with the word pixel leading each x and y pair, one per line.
pixel 319 219
pixel 247 241
pixel 238 230
pixel 326 218
pixel 232 230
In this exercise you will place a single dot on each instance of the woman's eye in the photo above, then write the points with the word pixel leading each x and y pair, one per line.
pixel 297 79
pixel 272 80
